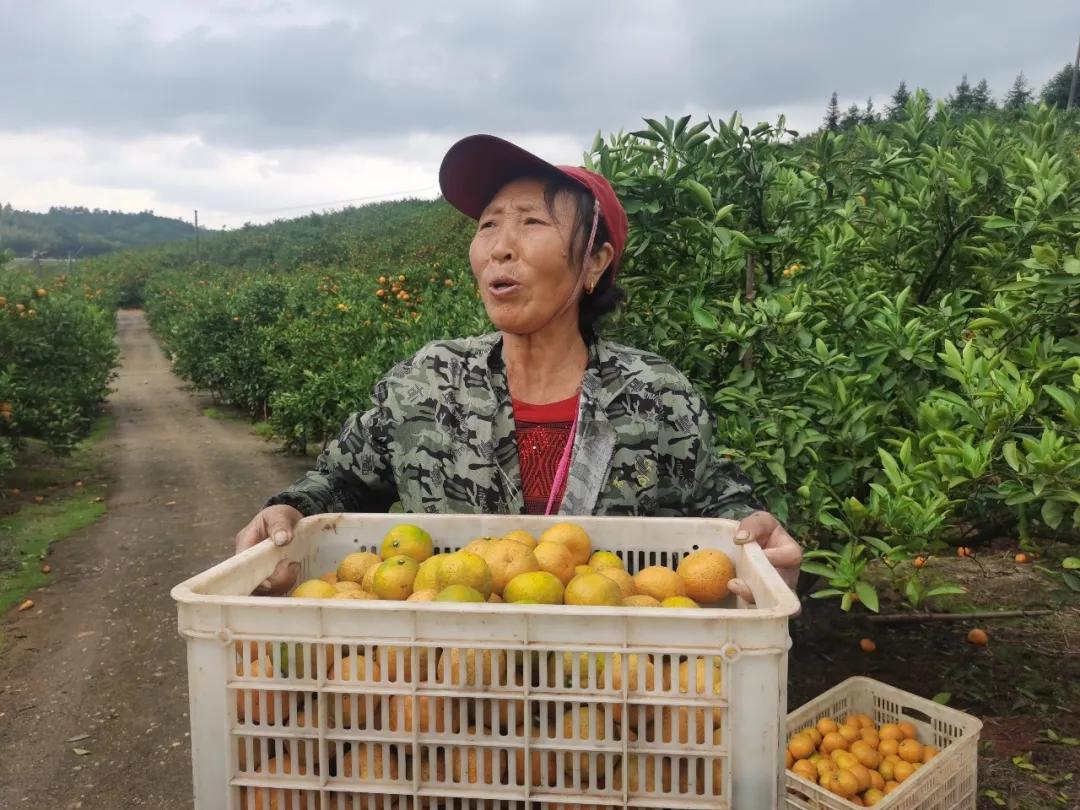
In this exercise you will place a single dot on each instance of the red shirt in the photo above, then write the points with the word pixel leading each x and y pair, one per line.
pixel 542 433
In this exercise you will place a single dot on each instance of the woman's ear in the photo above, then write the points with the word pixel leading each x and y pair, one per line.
pixel 599 262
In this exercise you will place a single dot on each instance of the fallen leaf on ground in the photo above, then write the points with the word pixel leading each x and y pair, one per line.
pixel 46 568
pixel 82 752
pixel 77 738
pixel 26 605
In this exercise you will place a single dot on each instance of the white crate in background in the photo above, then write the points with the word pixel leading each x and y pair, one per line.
pixel 947 782
pixel 527 713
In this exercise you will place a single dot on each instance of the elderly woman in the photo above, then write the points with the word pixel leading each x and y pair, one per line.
pixel 542 416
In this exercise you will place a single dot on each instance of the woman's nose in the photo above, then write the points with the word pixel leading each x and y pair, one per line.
pixel 504 247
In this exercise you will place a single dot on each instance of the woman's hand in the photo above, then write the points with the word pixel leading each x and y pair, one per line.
pixel 276 522
pixel 780 549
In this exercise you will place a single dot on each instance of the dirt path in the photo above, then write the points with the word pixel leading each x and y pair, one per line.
pixel 99 655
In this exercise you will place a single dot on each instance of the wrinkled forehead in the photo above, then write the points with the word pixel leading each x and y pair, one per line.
pixel 530 193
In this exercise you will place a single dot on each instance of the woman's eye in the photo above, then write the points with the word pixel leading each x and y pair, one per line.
pixel 488 224
pixel 534 221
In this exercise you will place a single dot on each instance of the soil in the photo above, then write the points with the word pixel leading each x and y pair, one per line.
pixel 93 680
pixel 97 665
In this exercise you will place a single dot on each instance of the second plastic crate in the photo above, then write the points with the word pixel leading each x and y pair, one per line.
pixel 947 782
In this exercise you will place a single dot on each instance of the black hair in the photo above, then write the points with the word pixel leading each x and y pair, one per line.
pixel 606 295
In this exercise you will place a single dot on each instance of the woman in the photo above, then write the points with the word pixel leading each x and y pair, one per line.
pixel 543 416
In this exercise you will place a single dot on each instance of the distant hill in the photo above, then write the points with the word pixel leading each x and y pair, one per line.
pixel 84 232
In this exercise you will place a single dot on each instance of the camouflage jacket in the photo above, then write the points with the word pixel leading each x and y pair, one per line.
pixel 440 438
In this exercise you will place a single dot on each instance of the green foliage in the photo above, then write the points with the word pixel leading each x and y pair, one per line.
pixel 1055 92
pixel 882 320
pixel 56 360
pixel 82 232
pixel 898 369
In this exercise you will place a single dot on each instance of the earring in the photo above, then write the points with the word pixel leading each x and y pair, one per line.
pixel 590 289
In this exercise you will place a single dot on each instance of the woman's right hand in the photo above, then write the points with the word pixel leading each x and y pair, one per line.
pixel 277 523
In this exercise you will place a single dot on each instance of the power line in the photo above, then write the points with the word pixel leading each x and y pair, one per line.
pixel 371 198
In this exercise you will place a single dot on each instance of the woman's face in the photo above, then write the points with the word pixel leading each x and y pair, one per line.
pixel 521 260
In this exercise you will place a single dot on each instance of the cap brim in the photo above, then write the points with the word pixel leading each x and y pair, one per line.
pixel 476 167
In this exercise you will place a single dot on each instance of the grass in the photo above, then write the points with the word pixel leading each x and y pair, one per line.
pixel 28 529
pixel 215 413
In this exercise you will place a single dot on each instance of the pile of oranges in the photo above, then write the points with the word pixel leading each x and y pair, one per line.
pixel 856 759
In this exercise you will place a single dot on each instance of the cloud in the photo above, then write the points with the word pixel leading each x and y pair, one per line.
pixel 257 104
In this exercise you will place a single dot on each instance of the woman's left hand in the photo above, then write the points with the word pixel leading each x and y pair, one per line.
pixel 779 546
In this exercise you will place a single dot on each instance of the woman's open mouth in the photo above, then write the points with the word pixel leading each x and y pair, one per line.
pixel 503 286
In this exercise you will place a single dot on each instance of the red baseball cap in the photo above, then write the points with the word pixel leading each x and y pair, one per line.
pixel 476 167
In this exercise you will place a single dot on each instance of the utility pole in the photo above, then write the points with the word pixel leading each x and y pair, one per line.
pixel 1072 85
pixel 197 259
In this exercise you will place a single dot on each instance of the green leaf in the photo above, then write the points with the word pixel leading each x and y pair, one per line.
pixel 1072 581
pixel 1052 513
pixel 998 222
pixel 1063 398
pixel 704 318
pixel 945 590
pixel 704 196
pixel 942 697
pixel 867 595
pixel 1011 454
pixel 819 569
pixel 825 593
pixel 1071 563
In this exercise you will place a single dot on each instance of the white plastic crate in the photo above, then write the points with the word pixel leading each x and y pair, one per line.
pixel 947 782
pixel 557 715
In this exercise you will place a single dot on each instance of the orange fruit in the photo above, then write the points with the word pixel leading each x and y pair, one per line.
pixel 393 579
pixel 825 725
pixel 978 637
pixel 623 579
pixel 832 742
pixel 521 536
pixel 888 747
pixel 929 752
pixel 314 589
pixel 885 768
pixel 862 775
pixel 573 537
pixel 890 731
pixel 679 602
pixel 345 586
pixel 412 541
pixel 353 567
pixel 909 730
pixel 850 733
pixel 534 587
pixel 805 769
pixel 911 751
pixel 1021 558
pixel 640 600
pixel 330 577
pixel 706 573
pixel 867 645
pixel 426 595
pixel 659 582
pixel 813 734
pixel 870 737
pixel 555 558
pixel 865 754
pixel 601 560
pixel 903 770
pixel 459 593
pixel 800 746
pixel 919 561
pixel 505 558
pixel 266 705
pixel 592 589
pixel 845 760
pixel 873 796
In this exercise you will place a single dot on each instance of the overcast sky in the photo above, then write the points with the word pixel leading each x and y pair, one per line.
pixel 255 110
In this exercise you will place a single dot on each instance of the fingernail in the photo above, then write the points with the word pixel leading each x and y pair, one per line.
pixel 265 585
pixel 743 535
pixel 281 537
